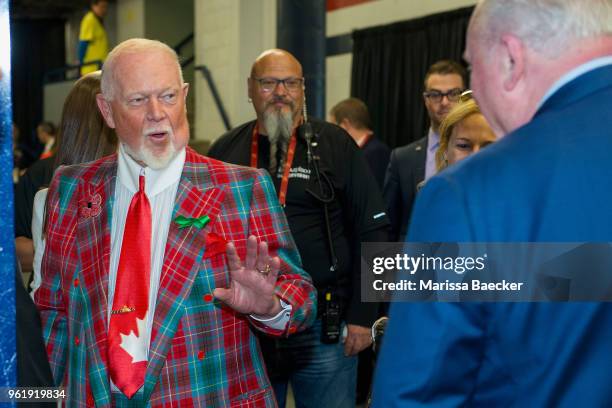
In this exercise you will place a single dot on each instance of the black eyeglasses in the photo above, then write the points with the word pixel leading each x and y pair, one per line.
pixel 436 96
pixel 270 84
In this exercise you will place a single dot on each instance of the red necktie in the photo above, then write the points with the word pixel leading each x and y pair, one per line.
pixel 127 347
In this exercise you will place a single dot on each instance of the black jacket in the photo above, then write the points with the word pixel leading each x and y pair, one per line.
pixel 356 213
pixel 406 170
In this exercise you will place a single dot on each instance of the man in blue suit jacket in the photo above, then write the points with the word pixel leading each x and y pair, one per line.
pixel 542 73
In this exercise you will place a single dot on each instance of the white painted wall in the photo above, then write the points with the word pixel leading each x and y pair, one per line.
pixel 229 35
pixel 130 19
pixel 379 12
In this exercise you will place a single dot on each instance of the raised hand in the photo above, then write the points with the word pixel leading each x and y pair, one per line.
pixel 252 285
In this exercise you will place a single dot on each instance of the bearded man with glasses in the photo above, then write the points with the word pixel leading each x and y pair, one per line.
pixel 332 203
pixel 410 165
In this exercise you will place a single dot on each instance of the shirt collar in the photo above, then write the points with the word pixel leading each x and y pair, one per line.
pixel 49 144
pixel 156 181
pixel 575 73
pixel 433 140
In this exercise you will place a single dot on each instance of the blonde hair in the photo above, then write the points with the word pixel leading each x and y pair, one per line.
pixel 458 113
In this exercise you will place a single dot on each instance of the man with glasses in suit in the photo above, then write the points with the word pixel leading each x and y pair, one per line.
pixel 410 165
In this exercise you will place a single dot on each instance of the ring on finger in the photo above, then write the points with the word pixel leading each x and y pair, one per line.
pixel 265 271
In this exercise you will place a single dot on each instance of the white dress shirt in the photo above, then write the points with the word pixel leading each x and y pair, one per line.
pixel 160 188
pixel 39 243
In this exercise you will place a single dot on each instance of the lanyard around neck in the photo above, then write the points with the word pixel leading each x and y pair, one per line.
pixel 282 194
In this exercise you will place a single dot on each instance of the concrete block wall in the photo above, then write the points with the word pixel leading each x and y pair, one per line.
pixel 216 37
pixel 228 37
pixel 130 19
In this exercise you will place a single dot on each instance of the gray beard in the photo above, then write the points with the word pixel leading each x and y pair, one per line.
pixel 278 125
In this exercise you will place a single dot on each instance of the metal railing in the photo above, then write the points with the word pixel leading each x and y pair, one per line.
pixel 185 41
pixel 207 76
pixel 215 94
pixel 67 72
pixel 61 74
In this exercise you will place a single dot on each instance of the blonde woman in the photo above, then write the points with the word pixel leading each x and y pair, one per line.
pixel 463 132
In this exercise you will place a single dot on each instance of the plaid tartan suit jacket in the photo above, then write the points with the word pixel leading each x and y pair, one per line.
pixel 201 353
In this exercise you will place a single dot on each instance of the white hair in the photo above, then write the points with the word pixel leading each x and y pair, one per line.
pixel 131 46
pixel 547 26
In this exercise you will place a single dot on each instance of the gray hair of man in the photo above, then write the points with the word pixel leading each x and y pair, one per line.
pixel 547 26
pixel 131 46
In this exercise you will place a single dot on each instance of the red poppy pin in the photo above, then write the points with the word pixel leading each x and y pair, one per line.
pixel 90 206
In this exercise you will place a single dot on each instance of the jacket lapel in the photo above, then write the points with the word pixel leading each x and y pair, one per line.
pixel 95 201
pixel 184 250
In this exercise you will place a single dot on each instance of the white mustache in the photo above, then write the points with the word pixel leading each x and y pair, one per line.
pixel 164 129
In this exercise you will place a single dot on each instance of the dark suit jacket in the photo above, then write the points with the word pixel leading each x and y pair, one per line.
pixel 405 171
pixel 548 181
pixel 377 154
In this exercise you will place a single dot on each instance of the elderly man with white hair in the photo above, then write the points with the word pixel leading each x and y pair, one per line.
pixel 160 263
pixel 542 75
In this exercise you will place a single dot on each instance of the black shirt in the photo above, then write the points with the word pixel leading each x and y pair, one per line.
pixel 356 212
